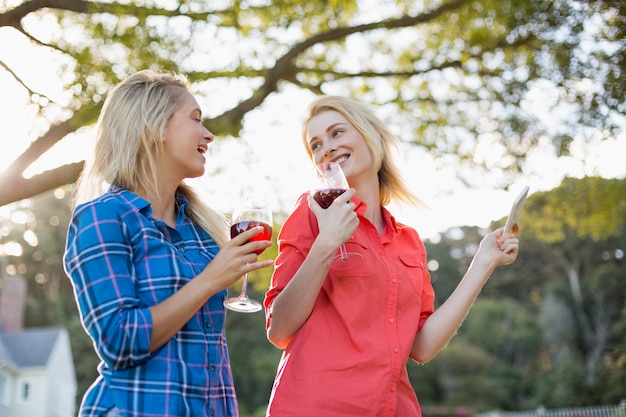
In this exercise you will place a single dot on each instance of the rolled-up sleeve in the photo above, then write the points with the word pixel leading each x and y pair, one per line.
pixel 98 260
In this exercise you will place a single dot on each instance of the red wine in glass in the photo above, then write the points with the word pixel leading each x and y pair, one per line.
pixel 250 214
pixel 244 225
pixel 326 196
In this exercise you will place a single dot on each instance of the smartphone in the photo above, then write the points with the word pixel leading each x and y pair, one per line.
pixel 516 209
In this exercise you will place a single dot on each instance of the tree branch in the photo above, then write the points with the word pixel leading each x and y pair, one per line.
pixel 230 121
pixel 16 187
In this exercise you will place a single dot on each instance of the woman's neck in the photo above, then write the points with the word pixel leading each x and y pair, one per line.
pixel 163 205
pixel 373 212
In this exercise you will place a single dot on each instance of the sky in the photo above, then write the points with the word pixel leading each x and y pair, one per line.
pixel 269 158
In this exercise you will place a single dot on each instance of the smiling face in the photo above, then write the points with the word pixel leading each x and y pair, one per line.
pixel 185 141
pixel 331 137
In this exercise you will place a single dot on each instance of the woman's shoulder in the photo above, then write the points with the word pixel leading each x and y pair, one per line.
pixel 114 203
pixel 300 208
pixel 301 218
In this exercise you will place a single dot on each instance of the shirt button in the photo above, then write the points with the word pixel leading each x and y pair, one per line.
pixel 390 320
pixel 183 249
pixel 208 325
pixel 392 389
pixel 212 412
pixel 394 280
pixel 396 350
pixel 212 368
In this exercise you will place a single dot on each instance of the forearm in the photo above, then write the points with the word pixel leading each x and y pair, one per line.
pixel 442 325
pixel 293 306
pixel 169 316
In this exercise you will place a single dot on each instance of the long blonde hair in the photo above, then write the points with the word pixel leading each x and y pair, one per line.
pixel 378 138
pixel 128 139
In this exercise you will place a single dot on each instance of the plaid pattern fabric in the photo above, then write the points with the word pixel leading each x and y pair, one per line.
pixel 122 261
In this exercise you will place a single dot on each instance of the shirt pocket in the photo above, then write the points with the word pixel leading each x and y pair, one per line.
pixel 414 270
pixel 158 270
pixel 358 264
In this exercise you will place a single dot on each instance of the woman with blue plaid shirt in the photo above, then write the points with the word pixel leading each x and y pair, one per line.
pixel 150 262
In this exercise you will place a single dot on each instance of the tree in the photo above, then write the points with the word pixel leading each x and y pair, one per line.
pixel 583 222
pixel 457 76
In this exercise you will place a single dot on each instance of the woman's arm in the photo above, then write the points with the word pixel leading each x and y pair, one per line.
pixel 233 260
pixel 294 304
pixel 441 326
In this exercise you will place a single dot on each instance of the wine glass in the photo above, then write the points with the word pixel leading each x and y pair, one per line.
pixel 249 214
pixel 331 183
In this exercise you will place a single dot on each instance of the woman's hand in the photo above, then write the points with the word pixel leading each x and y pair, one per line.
pixel 497 248
pixel 339 221
pixel 237 257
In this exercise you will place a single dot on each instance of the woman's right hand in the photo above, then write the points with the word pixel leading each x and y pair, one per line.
pixel 339 221
pixel 236 258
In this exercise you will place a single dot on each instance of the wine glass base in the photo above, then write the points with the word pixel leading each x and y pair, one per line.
pixel 346 260
pixel 243 305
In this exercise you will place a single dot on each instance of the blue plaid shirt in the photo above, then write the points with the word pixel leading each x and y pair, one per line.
pixel 122 261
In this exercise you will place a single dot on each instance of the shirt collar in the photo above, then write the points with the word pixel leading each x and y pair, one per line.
pixel 141 204
pixel 390 221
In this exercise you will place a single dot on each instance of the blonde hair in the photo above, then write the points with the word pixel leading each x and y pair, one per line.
pixel 378 138
pixel 128 140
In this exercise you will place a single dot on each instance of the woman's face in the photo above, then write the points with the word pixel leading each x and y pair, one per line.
pixel 185 140
pixel 331 137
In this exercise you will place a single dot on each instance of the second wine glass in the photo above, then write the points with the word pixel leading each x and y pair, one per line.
pixel 249 214
pixel 331 183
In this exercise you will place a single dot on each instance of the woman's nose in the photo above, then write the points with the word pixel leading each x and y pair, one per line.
pixel 329 149
pixel 208 135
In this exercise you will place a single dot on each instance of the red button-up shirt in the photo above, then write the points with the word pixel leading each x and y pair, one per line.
pixel 349 358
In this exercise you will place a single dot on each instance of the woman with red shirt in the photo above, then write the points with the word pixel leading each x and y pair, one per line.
pixel 347 333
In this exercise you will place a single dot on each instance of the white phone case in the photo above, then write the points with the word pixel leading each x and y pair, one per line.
pixel 516 209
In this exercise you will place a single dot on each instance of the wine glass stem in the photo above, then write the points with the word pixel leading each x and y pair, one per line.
pixel 342 250
pixel 244 288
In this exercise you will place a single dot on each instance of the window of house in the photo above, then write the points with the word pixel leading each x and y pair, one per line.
pixel 25 391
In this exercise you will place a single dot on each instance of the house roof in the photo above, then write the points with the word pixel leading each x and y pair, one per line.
pixel 29 347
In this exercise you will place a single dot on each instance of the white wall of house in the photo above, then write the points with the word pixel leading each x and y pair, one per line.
pixel 28 393
pixel 61 389
pixel 5 392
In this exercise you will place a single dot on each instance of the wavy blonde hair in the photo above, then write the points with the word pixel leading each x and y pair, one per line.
pixel 128 139
pixel 378 138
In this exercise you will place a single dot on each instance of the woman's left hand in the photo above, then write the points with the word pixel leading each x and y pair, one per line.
pixel 499 248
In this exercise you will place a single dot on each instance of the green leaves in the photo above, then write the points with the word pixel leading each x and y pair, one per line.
pixel 592 208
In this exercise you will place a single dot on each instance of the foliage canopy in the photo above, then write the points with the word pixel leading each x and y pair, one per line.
pixel 459 78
